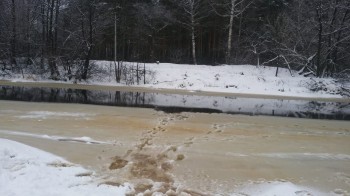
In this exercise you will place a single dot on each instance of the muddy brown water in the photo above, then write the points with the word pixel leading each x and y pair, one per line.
pixel 198 152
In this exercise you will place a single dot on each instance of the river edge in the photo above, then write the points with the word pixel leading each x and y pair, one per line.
pixel 67 85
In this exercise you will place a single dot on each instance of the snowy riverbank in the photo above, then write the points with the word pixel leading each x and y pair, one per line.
pixel 236 79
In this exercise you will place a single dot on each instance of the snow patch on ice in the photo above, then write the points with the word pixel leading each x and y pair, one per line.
pixel 83 139
pixel 25 170
pixel 48 114
pixel 276 189
pixel 305 156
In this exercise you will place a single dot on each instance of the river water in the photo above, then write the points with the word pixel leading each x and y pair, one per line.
pixel 182 103
pixel 185 142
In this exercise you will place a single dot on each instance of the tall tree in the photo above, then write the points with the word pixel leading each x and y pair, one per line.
pixel 14 33
pixel 50 13
pixel 230 9
pixel 88 41
pixel 192 13
pixel 153 17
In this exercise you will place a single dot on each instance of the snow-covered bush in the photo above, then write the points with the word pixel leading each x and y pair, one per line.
pixel 327 86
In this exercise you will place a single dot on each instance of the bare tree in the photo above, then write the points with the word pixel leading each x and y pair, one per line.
pixel 153 17
pixel 88 41
pixel 311 36
pixel 229 9
pixel 331 22
pixel 14 33
pixel 193 12
pixel 50 16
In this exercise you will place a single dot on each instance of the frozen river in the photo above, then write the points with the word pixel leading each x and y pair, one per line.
pixel 202 149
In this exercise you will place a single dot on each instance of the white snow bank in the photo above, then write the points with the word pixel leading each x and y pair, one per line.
pixel 247 79
pixel 25 170
pixel 241 79
pixel 277 189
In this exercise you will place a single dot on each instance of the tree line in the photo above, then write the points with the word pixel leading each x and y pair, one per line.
pixel 55 36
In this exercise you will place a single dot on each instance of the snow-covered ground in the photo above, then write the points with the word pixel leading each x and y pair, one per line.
pixel 240 79
pixel 25 170
pixel 245 79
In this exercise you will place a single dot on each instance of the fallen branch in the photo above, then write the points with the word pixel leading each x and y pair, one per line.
pixel 345 91
pixel 290 70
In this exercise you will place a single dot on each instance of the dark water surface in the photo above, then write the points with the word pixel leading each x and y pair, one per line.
pixel 181 103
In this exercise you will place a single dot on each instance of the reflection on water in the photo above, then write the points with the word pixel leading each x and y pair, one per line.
pixel 182 103
pixel 74 96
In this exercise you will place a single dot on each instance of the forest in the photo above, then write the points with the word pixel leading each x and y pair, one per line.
pixel 309 36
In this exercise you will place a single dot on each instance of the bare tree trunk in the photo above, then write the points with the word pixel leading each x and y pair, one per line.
pixel 116 67
pixel 28 35
pixel 193 46
pixel 14 34
pixel 239 32
pixel 51 42
pixel 137 73
pixel 43 34
pixel 319 45
pixel 144 73
pixel 229 39
pixel 328 62
pixel 152 56
pixel 335 53
pixel 52 62
pixel 193 38
pixel 58 3
pixel 329 52
pixel 89 44
pixel 86 64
